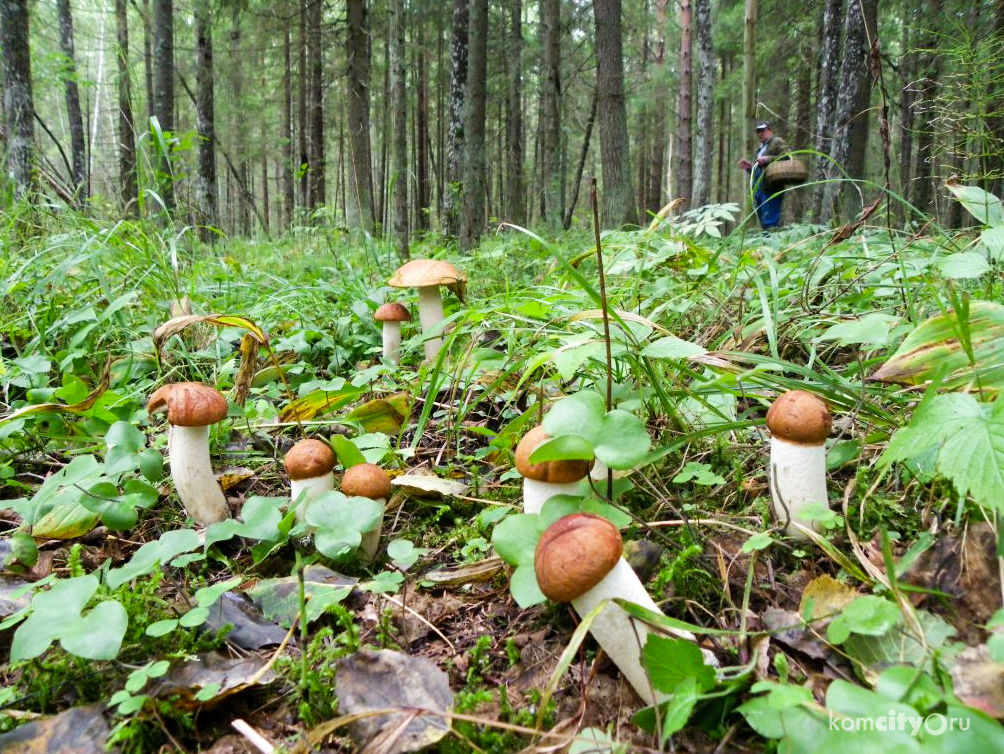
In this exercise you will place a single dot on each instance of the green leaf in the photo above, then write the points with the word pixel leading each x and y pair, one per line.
pixel 340 521
pixel 623 442
pixel 516 537
pixel 872 329
pixel 578 414
pixel 981 204
pixel 261 517
pixel 993 241
pixel 868 614
pixel 964 265
pixel 97 635
pixel 670 661
pixel 194 617
pixel 699 473
pixel 348 454
pixel 161 627
pixel 208 595
pixel 523 586
pixel 677 710
pixel 563 448
pixel 152 554
pixel 672 347
pixel 759 541
pixel 151 464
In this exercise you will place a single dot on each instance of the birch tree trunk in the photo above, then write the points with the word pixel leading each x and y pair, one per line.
pixel 205 125
pixel 357 54
pixel 423 191
pixel 475 183
pixel 78 149
pixel 18 106
pixel 829 74
pixel 163 85
pixel 704 157
pixel 399 141
pixel 684 165
pixel 455 131
pixel 126 133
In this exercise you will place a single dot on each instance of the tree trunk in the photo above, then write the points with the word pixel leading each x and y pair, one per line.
pixel 288 193
pixel 18 106
pixel 474 178
pixel 684 170
pixel 618 197
pixel 516 201
pixel 749 76
pixel 315 175
pixel 924 187
pixel 657 175
pixel 78 149
pixel 455 132
pixel 704 158
pixel 148 63
pixel 421 148
pixel 567 222
pixel 399 146
pixel 829 76
pixel 303 83
pixel 126 134
pixel 550 19
pixel 205 124
pixel 851 118
pixel 163 86
pixel 992 163
pixel 803 126
pixel 357 53
pixel 907 100
pixel 643 134
pixel 238 121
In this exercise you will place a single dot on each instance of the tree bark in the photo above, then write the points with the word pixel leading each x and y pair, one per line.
pixel 421 148
pixel 148 63
pixel 207 215
pixel 357 53
pixel 829 76
pixel 303 84
pixel 567 222
pixel 474 176
pixel 924 185
pixel 550 19
pixel 78 149
pixel 455 131
pixel 657 175
pixel 163 85
pixel 126 133
pixel 399 146
pixel 515 199
pixel 18 105
pixel 749 76
pixel 238 122
pixel 618 196
pixel 684 171
pixel 803 126
pixel 288 192
pixel 315 175
pixel 704 158
pixel 907 100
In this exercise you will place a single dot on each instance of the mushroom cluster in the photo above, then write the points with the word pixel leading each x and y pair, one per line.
pixel 427 275
pixel 370 481
pixel 542 481
pixel 310 465
pixel 192 408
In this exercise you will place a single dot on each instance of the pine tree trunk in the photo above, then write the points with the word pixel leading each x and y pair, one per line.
pixel 684 166
pixel 567 222
pixel 474 175
pixel 657 175
pixel 357 53
pixel 749 76
pixel 288 193
pixel 643 134
pixel 704 158
pixel 148 63
pixel 618 196
pixel 205 125
pixel 516 201
pixel 126 133
pixel 238 120
pixel 826 98
pixel 163 86
pixel 315 176
pixel 421 148
pixel 803 127
pixel 18 106
pixel 399 146
pixel 722 194
pixel 303 84
pixel 924 185
pixel 455 133
pixel 78 149
pixel 907 100
pixel 550 19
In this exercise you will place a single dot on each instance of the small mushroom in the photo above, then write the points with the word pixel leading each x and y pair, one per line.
pixel 309 464
pixel 578 560
pixel 392 315
pixel 542 481
pixel 368 480
pixel 191 408
pixel 799 424
pixel 427 275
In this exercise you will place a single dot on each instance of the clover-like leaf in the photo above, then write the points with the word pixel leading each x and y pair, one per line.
pixel 623 442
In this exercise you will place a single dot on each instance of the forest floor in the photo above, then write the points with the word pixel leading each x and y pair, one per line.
pixel 121 620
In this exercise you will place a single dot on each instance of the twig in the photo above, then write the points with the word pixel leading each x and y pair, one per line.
pixel 256 738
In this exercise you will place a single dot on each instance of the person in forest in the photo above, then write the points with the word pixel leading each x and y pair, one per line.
pixel 772 147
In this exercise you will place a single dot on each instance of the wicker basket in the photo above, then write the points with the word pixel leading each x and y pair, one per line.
pixel 782 173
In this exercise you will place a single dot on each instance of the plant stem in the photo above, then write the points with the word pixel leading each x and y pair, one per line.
pixel 606 314
pixel 302 595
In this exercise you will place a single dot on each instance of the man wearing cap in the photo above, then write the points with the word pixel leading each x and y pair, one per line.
pixel 768 206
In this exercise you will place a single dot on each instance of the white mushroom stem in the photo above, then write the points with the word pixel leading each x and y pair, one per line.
pixel 371 539
pixel 615 631
pixel 797 479
pixel 599 471
pixel 535 493
pixel 314 486
pixel 192 472
pixel 392 341
pixel 430 313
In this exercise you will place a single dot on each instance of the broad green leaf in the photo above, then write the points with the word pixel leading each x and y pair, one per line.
pixel 578 414
pixel 868 614
pixel 670 662
pixel 149 556
pixel 963 265
pixel 161 627
pixel 194 617
pixel 97 635
pixel 622 442
pixel 385 415
pixel 993 241
pixel 523 586
pixel 871 329
pixel 672 347
pixel 261 517
pixel 66 521
pixel 208 595
pixel 346 451
pixel 124 435
pixel 677 711
pixel 981 204
pixel 151 464
pixel 516 537
pixel 563 448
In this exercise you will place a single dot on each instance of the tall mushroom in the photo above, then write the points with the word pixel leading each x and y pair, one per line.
pixel 191 408
pixel 799 424
pixel 309 464
pixel 427 275
pixel 578 560
pixel 542 481
pixel 368 480
pixel 391 315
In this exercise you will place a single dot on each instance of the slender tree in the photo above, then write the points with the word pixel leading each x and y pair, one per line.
pixel 704 157
pixel 205 125
pixel 550 19
pixel 749 75
pixel 829 77
pixel 923 189
pixel 455 130
pixel 684 171
pixel 360 177
pixel 474 175
pixel 315 53
pixel 126 132
pixel 399 146
pixel 78 148
pixel 302 84
pixel 660 104
pixel 288 192
pixel 18 106
pixel 238 124
pixel 618 197
pixel 516 202
pixel 421 149
pixel 163 84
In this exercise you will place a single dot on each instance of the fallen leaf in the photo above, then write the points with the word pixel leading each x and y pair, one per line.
pixel 428 486
pixel 279 600
pixel 233 475
pixel 79 730
pixel 828 597
pixel 250 629
pixel 226 676
pixel 979 681
pixel 469 573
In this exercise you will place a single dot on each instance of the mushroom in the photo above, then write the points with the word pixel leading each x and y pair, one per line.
pixel 542 481
pixel 368 480
pixel 799 423
pixel 191 407
pixel 427 275
pixel 578 560
pixel 392 315
pixel 309 464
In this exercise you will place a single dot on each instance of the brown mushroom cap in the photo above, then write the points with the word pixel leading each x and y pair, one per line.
pixel 188 404
pixel 419 273
pixel 799 417
pixel 392 312
pixel 574 554
pixel 308 459
pixel 553 472
pixel 366 480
